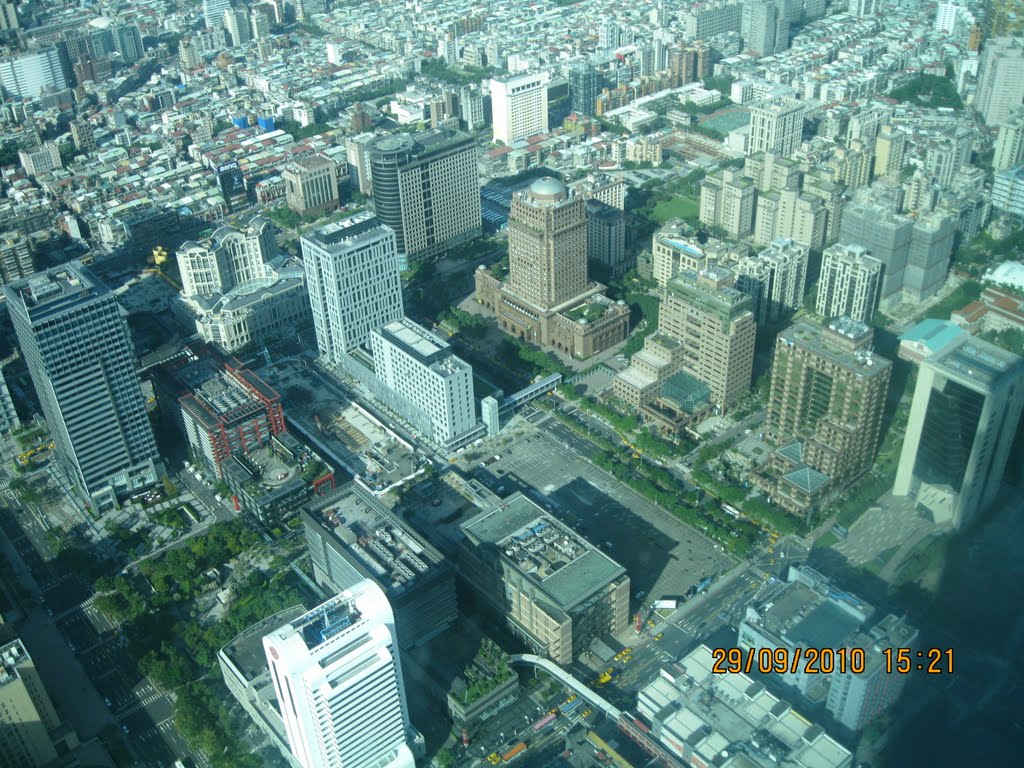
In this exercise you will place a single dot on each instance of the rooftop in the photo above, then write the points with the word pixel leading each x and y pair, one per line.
pixel 558 561
pixel 416 340
pixel 246 651
pixel 325 621
pixel 972 360
pixel 860 360
pixel 932 334
pixel 11 655
pixel 46 289
pixel 347 233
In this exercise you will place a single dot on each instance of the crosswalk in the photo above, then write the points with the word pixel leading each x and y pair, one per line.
pixel 138 705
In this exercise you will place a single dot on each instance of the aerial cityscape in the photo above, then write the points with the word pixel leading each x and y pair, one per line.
pixel 562 383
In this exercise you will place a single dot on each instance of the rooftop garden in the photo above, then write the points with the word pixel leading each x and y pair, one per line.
pixel 489 670
pixel 590 312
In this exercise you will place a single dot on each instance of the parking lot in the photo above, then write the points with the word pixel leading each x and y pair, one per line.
pixel 663 556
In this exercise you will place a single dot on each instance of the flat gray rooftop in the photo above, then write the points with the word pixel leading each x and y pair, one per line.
pixel 246 650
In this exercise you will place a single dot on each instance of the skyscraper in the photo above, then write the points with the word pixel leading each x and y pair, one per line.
pixel 128 42
pixel 584 88
pixel 425 188
pixel 82 363
pixel 963 419
pixel 850 283
pixel 311 184
pixel 339 686
pixel 519 106
pixel 1010 143
pixel 547 244
pixel 353 281
pixel 236 22
pixel 890 145
pixel 1000 79
pixel 213 12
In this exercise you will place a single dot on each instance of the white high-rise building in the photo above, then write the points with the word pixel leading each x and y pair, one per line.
pixel 774 279
pixel 420 366
pixel 519 106
pixel 339 685
pixel 1000 79
pixel 29 74
pixel 862 7
pixel 776 125
pixel 850 283
pixel 353 281
pixel 1010 144
pixel 236 22
pixel 213 12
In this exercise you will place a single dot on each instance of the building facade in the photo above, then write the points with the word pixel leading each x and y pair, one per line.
pixel 519 106
pixel 311 185
pixel 421 367
pixel 229 257
pixel 339 685
pixel 776 125
pixel 850 283
pixel 27 715
pixel 1010 142
pixel 1000 79
pixel 30 74
pixel 774 279
pixel 353 282
pixel 964 416
pixel 80 356
pixel 727 201
pixel 425 188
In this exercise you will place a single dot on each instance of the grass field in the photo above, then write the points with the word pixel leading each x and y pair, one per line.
pixel 680 206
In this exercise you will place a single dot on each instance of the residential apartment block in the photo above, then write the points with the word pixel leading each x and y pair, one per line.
pixel 850 283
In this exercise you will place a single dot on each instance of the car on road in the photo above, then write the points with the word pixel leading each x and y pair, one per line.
pixel 494 758
pixel 659 636
pixel 587 713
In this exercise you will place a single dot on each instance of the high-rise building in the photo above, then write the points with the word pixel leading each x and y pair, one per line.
pixel 703 20
pixel 311 184
pixel 547 244
pixel 213 12
pixel 261 16
pixel 791 215
pixel 606 238
pixel 227 258
pixel 1003 17
pixel 471 107
pixel 890 145
pixel 15 257
pixel 128 42
pixel 850 284
pixel 774 279
pixel 425 187
pixel 27 715
pixel 963 419
pixel 357 155
pixel 862 7
pixel 1008 192
pixel 1010 142
pixel 825 407
pixel 236 22
pixel 727 201
pixel 765 26
pixel 556 590
pixel 771 172
pixel 82 363
pixel 716 326
pixel 8 16
pixel 931 245
pixel 28 75
pixel 83 135
pixel 584 87
pixel 422 368
pixel 339 686
pixel 818 183
pixel 519 106
pixel 776 125
pixel 353 281
pixel 1000 79
pixel 40 159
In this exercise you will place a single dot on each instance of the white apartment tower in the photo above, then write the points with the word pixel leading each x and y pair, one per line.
pixel 850 283
pixel 519 105
pixel 339 685
pixel 213 12
pixel 353 281
pixel 1000 79
pixel 774 279
pixel 1010 143
pixel 776 125
pixel 420 366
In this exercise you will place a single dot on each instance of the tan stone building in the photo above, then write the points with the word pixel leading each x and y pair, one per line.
pixel 27 716
pixel 727 200
pixel 547 297
pixel 311 185
pixel 556 590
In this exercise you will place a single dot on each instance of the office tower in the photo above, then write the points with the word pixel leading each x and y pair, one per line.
pixel 547 244
pixel 519 106
pixel 1010 143
pixel 963 419
pixel 339 686
pixel 850 284
pixel 311 185
pixel 227 258
pixel 40 159
pixel 774 279
pixel 357 155
pixel 15 257
pixel 353 280
pixel 771 172
pixel 421 367
pixel 1000 79
pixel 28 75
pixel 792 216
pixel 716 326
pixel 776 125
pixel 213 12
pixel 890 146
pixel 261 16
pixel 128 42
pixel 509 554
pixel 606 238
pixel 584 87
pixel 425 187
pixel 27 715
pixel 1008 192
pixel 828 393
pixel 727 201
pixel 236 22
pixel 80 356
